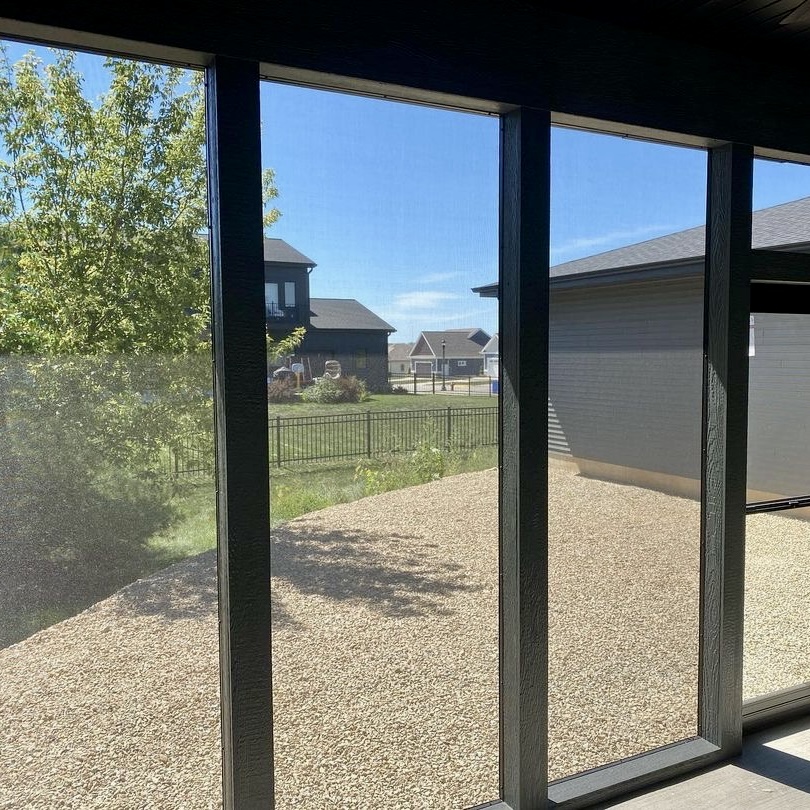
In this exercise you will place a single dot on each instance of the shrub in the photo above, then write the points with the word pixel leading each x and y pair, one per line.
pixel 325 391
pixel 354 390
pixel 400 389
pixel 282 390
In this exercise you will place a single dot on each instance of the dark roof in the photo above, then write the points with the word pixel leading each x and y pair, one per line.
pixel 774 227
pixel 459 343
pixel 777 226
pixel 399 351
pixel 345 313
pixel 277 250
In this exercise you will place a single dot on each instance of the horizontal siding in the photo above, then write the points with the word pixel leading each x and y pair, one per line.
pixel 625 376
pixel 779 405
pixel 557 443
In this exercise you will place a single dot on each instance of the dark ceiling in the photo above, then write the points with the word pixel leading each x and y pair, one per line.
pixel 781 27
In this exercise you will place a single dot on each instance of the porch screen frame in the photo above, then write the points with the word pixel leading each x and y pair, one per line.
pixel 243 460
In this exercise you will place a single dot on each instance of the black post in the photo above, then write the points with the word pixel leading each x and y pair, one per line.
pixel 433 382
pixel 414 382
pixel 240 379
pixel 444 387
pixel 278 441
pixel 523 316
pixel 368 433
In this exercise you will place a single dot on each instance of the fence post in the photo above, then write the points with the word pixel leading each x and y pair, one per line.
pixel 368 433
pixel 469 386
pixel 414 382
pixel 449 427
pixel 433 381
pixel 278 441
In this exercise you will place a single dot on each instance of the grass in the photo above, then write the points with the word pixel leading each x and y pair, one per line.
pixel 299 490
pixel 383 402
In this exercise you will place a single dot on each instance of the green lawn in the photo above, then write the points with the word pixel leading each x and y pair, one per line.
pixel 385 402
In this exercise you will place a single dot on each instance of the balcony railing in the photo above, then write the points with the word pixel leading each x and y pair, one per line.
pixel 277 314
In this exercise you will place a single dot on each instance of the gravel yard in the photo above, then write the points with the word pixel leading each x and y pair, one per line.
pixel 386 656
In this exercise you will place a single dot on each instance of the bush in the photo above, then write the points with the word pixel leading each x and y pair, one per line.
pixel 282 390
pixel 400 389
pixel 325 391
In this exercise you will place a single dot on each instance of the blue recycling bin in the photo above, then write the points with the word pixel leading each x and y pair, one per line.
pixel 494 386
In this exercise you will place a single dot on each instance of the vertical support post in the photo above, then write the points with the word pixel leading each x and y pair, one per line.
pixel 278 441
pixel 433 382
pixel 414 383
pixel 240 364
pixel 724 440
pixel 524 313
pixel 368 433
pixel 449 427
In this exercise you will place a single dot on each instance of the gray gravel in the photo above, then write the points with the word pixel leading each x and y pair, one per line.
pixel 385 654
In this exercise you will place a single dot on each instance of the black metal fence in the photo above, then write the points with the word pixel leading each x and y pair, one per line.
pixel 297 439
pixel 436 384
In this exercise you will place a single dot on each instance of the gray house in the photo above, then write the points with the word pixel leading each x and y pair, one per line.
pixel 626 364
pixel 399 361
pixel 492 357
pixel 339 329
pixel 458 349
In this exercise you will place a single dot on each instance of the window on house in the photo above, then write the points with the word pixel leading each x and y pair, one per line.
pixel 461 363
pixel 361 359
pixel 108 581
pixel 289 293
pixel 271 300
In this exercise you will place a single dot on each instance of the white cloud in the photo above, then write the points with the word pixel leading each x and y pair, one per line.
pixel 608 240
pixel 422 299
pixel 434 278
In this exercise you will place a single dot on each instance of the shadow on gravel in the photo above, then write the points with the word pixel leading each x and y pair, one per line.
pixel 396 575
pixel 184 591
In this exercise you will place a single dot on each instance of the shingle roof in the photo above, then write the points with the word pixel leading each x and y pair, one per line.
pixel 458 342
pixel 774 227
pixel 779 225
pixel 399 351
pixel 344 313
pixel 277 250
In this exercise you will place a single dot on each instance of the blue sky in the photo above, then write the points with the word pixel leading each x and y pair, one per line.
pixel 398 204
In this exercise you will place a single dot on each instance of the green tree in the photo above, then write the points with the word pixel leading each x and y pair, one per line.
pixel 104 204
pixel 105 361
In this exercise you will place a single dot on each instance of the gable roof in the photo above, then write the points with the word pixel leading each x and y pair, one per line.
pixel 459 343
pixel 280 252
pixel 779 226
pixel 399 351
pixel 493 346
pixel 345 313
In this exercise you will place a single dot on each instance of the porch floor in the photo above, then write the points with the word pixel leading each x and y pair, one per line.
pixel 772 772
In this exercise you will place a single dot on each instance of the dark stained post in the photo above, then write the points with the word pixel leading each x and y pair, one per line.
pixel 524 311
pixel 725 437
pixel 243 506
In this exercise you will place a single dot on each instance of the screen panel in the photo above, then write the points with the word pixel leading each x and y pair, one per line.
pixel 383 445
pixel 624 447
pixel 108 598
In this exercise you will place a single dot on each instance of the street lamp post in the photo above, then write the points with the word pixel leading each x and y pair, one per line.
pixel 444 387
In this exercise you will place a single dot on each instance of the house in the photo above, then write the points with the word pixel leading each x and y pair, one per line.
pixel 492 357
pixel 723 76
pixel 630 319
pixel 458 349
pixel 339 329
pixel 399 361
